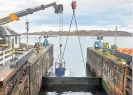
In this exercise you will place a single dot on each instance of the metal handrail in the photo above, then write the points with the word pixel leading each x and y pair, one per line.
pixel 119 54
pixel 4 55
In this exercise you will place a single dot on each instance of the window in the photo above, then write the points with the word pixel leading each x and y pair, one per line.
pixel 16 42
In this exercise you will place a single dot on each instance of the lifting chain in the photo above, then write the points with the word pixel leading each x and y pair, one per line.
pixel 74 5
pixel 60 58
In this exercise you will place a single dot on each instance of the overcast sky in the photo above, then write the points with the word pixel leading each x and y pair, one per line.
pixel 91 14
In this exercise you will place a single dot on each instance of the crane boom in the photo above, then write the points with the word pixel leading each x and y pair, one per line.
pixel 17 15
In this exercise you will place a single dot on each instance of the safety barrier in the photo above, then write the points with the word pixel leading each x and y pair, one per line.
pixel 5 56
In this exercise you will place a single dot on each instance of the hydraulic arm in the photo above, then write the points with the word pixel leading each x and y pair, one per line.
pixel 17 15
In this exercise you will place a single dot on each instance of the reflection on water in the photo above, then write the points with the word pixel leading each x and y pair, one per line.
pixel 70 93
pixel 67 93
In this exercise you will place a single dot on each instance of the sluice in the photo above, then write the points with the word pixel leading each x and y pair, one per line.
pixel 74 84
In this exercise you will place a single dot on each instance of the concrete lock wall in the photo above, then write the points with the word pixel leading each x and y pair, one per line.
pixel 111 71
pixel 39 65
pixel 24 76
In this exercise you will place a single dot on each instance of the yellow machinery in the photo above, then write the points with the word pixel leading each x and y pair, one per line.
pixel 17 15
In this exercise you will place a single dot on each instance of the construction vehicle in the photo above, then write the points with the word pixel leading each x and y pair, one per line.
pixel 10 88
pixel 15 16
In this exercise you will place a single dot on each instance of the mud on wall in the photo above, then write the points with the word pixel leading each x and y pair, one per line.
pixel 111 71
pixel 39 68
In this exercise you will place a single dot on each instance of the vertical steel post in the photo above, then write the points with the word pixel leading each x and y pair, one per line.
pixel 12 48
pixel 115 35
pixel 27 28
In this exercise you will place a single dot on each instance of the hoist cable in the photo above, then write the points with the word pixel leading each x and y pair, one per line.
pixel 60 25
pixel 73 16
pixel 57 57
pixel 60 38
pixel 79 41
pixel 67 37
pixel 62 31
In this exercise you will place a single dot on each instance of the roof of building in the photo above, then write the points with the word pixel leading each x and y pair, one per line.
pixel 5 31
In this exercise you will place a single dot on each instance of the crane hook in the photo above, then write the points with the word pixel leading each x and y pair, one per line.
pixel 74 5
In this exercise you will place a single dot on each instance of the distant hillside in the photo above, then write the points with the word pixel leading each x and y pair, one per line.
pixel 83 33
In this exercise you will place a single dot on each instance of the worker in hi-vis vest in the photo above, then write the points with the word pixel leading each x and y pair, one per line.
pixel 45 43
pixel 97 44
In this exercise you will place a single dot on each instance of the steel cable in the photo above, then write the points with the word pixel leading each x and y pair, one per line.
pixel 79 41
pixel 67 37
pixel 74 17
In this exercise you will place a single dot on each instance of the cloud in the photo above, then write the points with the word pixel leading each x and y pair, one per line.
pixel 54 27
pixel 91 14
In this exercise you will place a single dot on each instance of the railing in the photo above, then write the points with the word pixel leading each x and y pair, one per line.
pixel 5 56
pixel 122 55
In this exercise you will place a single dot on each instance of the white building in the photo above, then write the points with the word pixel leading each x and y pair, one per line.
pixel 9 40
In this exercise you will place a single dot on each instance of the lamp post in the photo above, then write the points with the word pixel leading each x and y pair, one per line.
pixel 27 28
pixel 12 47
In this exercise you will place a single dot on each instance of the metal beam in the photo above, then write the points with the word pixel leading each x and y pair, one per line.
pixel 74 84
pixel 21 61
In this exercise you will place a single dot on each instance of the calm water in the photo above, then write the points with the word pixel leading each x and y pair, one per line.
pixel 73 58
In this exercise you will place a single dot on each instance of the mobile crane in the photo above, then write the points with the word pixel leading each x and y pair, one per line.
pixel 15 16
pixel 14 79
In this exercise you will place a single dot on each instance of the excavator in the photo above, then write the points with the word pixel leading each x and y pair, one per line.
pixel 15 16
